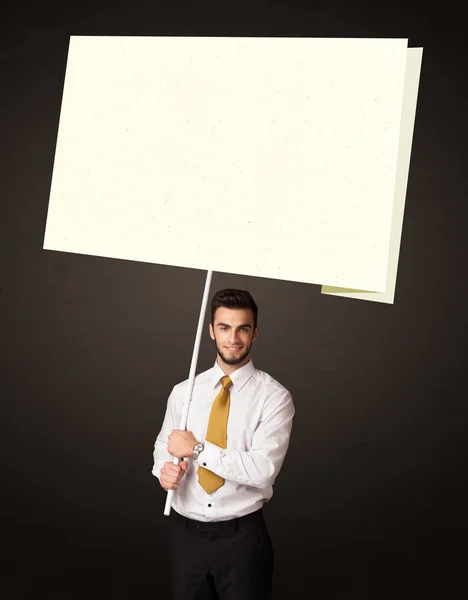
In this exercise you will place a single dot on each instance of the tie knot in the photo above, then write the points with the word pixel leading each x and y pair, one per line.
pixel 226 382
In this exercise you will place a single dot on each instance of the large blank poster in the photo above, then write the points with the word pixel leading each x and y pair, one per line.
pixel 271 157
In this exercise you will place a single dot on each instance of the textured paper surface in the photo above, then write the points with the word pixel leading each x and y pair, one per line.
pixel 413 70
pixel 271 157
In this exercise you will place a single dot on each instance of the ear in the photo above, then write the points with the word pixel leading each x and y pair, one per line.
pixel 255 335
pixel 211 332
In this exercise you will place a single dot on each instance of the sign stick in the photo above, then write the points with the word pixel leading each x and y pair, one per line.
pixel 191 380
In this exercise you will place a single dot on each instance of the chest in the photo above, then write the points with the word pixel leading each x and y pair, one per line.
pixel 244 417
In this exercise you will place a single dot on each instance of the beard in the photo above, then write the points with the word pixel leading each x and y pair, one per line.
pixel 232 361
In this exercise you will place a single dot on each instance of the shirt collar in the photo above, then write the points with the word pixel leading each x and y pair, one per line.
pixel 239 378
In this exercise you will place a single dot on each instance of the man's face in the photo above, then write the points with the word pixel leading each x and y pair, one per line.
pixel 233 333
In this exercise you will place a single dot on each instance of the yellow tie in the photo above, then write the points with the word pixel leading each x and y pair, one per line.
pixel 216 434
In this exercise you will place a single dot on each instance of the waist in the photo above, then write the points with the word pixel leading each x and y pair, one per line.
pixel 218 526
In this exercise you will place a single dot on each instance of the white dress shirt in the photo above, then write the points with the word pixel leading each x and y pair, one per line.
pixel 259 426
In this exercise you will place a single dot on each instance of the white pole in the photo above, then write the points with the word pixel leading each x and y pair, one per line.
pixel 191 380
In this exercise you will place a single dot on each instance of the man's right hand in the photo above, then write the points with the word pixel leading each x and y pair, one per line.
pixel 171 474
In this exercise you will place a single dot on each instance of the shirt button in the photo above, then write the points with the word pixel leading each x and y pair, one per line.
pixel 204 464
pixel 209 505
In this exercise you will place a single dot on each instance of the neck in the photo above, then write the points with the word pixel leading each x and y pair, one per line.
pixel 228 369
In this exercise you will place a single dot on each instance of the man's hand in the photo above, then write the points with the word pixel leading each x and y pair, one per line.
pixel 171 475
pixel 180 443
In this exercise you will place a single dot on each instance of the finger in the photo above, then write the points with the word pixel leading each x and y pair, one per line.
pixel 169 477
pixel 169 486
pixel 173 469
pixel 170 482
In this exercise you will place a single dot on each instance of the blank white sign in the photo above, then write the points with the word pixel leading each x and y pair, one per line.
pixel 271 157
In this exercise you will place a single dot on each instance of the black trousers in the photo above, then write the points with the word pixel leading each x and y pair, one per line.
pixel 224 560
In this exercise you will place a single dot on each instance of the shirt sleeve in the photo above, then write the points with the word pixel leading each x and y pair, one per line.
pixel 259 466
pixel 161 454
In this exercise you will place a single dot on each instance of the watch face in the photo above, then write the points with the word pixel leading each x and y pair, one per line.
pixel 197 449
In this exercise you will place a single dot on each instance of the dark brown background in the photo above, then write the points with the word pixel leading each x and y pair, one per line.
pixel 372 499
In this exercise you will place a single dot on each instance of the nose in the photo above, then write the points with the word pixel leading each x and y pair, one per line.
pixel 233 338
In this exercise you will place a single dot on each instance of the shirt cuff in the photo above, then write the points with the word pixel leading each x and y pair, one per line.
pixel 210 457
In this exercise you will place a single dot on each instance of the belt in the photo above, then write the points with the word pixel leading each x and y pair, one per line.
pixel 215 528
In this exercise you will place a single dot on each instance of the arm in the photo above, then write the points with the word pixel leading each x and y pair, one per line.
pixel 161 454
pixel 259 466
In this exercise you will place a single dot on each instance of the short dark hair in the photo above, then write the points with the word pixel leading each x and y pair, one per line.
pixel 230 298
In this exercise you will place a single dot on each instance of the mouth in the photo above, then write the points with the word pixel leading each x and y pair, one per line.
pixel 233 348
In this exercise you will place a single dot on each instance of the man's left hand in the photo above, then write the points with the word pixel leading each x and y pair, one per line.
pixel 180 443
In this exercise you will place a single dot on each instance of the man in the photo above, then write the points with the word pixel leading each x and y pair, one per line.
pixel 234 445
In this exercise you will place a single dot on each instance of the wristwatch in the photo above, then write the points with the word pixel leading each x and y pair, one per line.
pixel 197 449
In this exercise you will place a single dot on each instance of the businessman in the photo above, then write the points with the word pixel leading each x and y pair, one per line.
pixel 237 435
